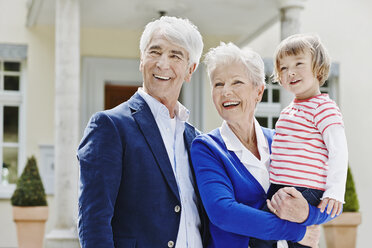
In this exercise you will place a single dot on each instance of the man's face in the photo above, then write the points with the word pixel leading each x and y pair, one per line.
pixel 164 67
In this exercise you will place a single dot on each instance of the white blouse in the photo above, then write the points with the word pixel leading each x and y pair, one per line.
pixel 259 168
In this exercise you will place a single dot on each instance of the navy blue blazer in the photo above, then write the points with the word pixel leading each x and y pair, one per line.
pixel 128 191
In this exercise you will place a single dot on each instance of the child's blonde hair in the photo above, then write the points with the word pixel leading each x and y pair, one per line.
pixel 298 44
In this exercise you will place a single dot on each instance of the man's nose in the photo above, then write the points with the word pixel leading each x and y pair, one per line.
pixel 163 62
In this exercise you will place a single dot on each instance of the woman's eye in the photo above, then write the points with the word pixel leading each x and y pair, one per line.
pixel 218 84
pixel 238 82
pixel 154 52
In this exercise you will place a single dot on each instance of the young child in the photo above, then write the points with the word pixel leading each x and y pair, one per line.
pixel 309 149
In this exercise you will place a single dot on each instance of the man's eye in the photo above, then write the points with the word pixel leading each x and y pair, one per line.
pixel 175 56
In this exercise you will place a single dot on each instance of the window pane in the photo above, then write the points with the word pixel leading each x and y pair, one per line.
pixel 10 165
pixel 274 120
pixel 264 97
pixel 267 79
pixel 11 82
pixel 262 120
pixel 11 124
pixel 325 84
pixel 12 66
pixel 276 95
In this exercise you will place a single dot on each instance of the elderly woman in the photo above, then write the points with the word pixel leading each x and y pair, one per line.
pixel 231 162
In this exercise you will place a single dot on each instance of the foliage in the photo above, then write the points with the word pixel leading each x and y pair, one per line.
pixel 351 198
pixel 30 190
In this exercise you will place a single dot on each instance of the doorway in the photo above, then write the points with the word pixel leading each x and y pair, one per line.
pixel 116 94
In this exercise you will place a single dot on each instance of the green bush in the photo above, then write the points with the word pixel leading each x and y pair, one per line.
pixel 30 190
pixel 351 198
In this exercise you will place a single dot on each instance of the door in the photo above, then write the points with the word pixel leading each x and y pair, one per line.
pixel 116 94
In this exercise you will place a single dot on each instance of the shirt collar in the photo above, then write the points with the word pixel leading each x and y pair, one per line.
pixel 159 109
pixel 233 143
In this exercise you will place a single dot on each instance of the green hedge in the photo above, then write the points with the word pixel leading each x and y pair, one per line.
pixel 351 198
pixel 30 190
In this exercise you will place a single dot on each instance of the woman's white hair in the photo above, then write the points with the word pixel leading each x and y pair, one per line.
pixel 178 31
pixel 229 53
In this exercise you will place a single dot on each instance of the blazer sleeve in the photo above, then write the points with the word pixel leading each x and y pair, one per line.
pixel 316 217
pixel 100 156
pixel 217 193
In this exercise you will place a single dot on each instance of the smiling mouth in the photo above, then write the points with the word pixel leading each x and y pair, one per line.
pixel 230 104
pixel 294 82
pixel 161 77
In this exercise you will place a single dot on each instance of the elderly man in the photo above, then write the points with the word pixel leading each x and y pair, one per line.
pixel 137 186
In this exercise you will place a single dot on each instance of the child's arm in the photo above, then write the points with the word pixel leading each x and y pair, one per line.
pixel 333 205
pixel 289 204
pixel 328 120
pixel 335 140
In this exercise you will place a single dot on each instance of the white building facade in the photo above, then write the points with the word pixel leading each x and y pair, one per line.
pixel 56 61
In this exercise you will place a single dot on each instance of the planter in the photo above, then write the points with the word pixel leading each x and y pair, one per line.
pixel 30 222
pixel 341 232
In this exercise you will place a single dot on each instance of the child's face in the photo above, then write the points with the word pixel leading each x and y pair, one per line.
pixel 296 75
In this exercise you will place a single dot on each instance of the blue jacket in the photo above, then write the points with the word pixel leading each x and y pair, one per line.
pixel 128 191
pixel 232 197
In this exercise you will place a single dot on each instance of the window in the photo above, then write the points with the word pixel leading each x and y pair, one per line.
pixel 11 109
pixel 269 108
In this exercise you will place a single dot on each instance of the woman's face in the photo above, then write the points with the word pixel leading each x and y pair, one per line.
pixel 234 94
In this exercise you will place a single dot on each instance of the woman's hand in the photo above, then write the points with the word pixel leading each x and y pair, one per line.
pixel 333 205
pixel 311 237
pixel 289 204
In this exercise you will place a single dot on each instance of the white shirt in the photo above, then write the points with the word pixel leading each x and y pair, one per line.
pixel 171 131
pixel 259 168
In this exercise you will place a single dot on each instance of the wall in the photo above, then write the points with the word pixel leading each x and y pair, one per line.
pixel 39 96
pixel 345 29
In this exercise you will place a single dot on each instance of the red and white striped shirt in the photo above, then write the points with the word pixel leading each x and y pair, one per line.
pixel 299 152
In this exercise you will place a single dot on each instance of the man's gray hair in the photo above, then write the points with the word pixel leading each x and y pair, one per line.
pixel 179 31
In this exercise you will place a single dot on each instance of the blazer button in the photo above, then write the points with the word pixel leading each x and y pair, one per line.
pixel 177 209
pixel 170 244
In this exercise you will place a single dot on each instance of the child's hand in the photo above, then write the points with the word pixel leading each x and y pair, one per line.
pixel 333 205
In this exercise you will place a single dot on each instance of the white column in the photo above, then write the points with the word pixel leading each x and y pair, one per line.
pixel 290 11
pixel 67 94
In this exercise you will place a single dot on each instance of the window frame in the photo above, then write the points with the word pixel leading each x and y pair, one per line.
pixel 15 99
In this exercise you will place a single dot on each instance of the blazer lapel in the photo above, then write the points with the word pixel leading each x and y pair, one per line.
pixel 147 124
pixel 189 136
